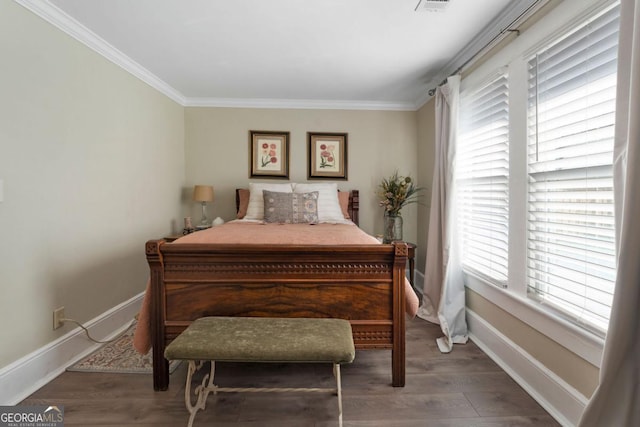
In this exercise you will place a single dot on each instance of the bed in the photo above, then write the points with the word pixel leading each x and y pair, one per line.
pixel 202 274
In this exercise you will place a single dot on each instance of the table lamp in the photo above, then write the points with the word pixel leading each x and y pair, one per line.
pixel 203 194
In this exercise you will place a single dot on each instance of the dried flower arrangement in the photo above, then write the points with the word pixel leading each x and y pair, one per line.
pixel 396 192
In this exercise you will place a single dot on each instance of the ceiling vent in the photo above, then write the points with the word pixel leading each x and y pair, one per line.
pixel 432 5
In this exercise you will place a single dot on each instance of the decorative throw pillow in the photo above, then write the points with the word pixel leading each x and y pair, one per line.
pixel 343 198
pixel 290 208
pixel 328 206
pixel 243 195
pixel 255 209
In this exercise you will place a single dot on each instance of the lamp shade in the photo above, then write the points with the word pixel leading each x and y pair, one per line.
pixel 203 193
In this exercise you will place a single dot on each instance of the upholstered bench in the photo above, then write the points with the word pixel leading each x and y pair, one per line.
pixel 260 339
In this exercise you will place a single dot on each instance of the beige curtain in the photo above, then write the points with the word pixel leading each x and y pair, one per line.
pixel 616 401
pixel 443 292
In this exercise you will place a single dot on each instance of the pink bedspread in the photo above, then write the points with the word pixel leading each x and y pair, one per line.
pixel 247 232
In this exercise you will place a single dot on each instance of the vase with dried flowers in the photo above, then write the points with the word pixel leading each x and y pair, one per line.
pixel 394 193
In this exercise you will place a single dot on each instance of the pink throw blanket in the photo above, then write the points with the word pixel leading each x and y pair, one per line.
pixel 246 233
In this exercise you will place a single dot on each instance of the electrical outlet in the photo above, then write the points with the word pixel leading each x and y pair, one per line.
pixel 58 315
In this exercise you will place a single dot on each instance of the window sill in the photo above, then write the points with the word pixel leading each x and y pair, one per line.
pixel 581 342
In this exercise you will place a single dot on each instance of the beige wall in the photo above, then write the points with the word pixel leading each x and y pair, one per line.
pixel 93 163
pixel 217 153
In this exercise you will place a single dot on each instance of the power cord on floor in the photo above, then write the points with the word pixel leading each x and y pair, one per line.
pixel 86 331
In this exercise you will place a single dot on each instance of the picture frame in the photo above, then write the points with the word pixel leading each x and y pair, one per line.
pixel 268 154
pixel 327 155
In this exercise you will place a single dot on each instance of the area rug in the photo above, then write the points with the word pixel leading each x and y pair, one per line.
pixel 119 357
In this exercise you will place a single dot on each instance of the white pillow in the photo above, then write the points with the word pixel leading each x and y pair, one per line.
pixel 328 205
pixel 255 209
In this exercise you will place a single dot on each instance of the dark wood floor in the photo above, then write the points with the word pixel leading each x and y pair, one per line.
pixel 460 389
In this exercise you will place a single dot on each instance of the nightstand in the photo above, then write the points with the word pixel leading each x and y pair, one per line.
pixel 170 238
pixel 411 254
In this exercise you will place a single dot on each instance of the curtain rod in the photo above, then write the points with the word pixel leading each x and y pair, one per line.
pixel 497 38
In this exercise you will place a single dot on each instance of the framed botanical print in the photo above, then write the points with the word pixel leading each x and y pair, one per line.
pixel 268 154
pixel 327 155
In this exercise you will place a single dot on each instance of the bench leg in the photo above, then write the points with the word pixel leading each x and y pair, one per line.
pixel 336 373
pixel 207 386
pixel 201 392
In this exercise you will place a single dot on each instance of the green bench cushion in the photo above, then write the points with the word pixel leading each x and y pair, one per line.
pixel 264 339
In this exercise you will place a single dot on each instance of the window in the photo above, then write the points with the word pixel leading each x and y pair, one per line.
pixel 482 179
pixel 534 186
pixel 571 116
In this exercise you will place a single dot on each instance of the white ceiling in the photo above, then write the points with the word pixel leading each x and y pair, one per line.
pixel 247 52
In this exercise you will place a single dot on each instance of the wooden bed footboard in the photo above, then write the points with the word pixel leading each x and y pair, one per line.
pixel 361 283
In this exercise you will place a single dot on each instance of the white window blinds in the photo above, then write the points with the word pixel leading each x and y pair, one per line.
pixel 571 115
pixel 482 178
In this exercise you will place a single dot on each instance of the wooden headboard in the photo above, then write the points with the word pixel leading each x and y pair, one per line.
pixel 354 204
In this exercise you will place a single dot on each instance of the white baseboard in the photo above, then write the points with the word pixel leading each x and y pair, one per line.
pixel 26 375
pixel 561 400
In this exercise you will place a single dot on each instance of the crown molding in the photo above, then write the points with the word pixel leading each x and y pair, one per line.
pixel 486 38
pixel 424 98
pixel 56 17
pixel 300 104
